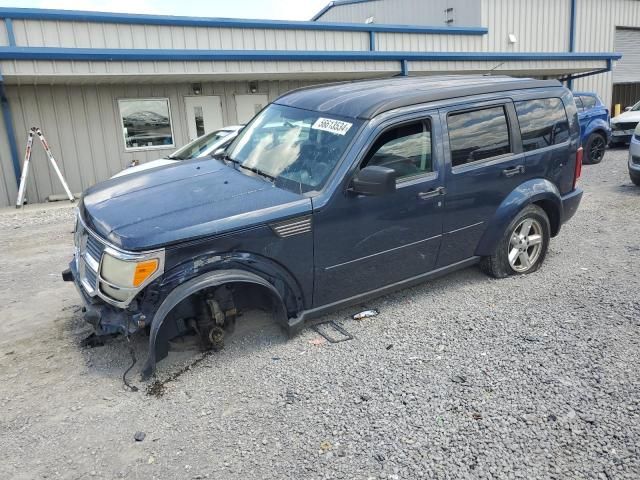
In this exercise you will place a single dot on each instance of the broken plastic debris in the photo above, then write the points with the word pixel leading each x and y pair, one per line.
pixel 317 341
pixel 365 314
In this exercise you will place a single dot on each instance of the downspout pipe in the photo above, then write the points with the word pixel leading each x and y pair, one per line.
pixel 572 36
pixel 9 130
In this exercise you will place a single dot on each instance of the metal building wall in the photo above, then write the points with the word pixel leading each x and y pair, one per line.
pixel 540 26
pixel 596 21
pixel 8 189
pixel 36 33
pixel 406 12
pixel 627 42
pixel 82 125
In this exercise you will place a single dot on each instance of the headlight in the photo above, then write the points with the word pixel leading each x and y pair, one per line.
pixel 122 277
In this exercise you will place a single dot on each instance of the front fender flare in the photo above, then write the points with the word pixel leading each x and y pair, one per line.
pixel 529 192
pixel 597 124
pixel 184 290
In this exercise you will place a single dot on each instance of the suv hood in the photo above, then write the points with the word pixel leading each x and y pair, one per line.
pixel 182 201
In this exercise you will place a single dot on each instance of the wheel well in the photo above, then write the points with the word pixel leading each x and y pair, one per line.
pixel 600 132
pixel 237 296
pixel 552 212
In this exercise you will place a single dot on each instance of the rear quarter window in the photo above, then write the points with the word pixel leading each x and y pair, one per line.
pixel 588 102
pixel 543 122
pixel 478 135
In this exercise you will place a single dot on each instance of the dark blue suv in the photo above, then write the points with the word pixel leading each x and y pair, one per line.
pixel 332 195
pixel 595 126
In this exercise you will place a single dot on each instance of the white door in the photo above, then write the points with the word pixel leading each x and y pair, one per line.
pixel 204 114
pixel 248 105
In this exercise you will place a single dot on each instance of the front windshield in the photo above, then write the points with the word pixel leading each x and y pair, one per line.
pixel 199 145
pixel 636 107
pixel 297 149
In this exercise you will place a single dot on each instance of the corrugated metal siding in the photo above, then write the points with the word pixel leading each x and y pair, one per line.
pixel 540 25
pixel 627 42
pixel 596 23
pixel 419 42
pixel 36 33
pixel 407 12
pixel 4 38
pixel 82 125
pixel 72 71
pixel 8 190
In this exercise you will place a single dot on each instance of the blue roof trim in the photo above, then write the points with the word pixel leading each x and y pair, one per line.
pixel 336 3
pixel 106 54
pixel 130 18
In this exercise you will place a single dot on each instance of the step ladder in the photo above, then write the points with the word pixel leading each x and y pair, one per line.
pixel 25 167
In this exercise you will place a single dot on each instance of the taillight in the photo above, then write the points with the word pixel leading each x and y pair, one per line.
pixel 578 170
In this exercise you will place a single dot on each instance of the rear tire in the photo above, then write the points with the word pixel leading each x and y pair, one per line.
pixel 523 245
pixel 594 149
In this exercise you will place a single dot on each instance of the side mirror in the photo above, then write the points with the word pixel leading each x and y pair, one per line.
pixel 374 180
pixel 218 153
pixel 627 109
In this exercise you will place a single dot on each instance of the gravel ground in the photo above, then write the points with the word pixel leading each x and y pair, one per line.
pixel 463 377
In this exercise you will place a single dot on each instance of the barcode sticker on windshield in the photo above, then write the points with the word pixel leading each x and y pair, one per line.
pixel 333 126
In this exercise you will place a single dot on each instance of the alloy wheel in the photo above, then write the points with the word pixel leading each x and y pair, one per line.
pixel 596 152
pixel 525 245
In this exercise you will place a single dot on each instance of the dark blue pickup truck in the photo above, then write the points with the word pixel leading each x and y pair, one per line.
pixel 332 195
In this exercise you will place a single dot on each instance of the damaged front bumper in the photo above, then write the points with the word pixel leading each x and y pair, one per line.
pixel 105 319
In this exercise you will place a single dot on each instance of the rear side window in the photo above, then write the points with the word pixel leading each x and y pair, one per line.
pixel 588 102
pixel 543 122
pixel 405 149
pixel 478 135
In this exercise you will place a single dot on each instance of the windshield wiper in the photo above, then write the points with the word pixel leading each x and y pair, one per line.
pixel 257 171
pixel 271 178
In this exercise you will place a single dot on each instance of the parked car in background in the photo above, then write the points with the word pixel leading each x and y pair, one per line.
pixel 634 156
pixel 201 147
pixel 332 195
pixel 623 125
pixel 595 126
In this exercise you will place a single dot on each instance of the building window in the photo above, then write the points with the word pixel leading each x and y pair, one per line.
pixel 543 122
pixel 405 149
pixel 478 135
pixel 146 123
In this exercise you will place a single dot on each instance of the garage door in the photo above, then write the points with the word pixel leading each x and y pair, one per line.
pixel 628 67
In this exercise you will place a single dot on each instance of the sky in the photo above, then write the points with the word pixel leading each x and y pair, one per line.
pixel 263 9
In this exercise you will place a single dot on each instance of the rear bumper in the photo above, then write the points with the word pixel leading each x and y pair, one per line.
pixel 104 318
pixel 570 204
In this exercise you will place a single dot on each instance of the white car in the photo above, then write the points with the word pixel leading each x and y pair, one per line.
pixel 200 147
pixel 634 157
pixel 623 125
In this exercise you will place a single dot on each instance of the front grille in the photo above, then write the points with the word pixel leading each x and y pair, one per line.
pixel 89 251
pixel 95 248
pixel 90 276
pixel 624 125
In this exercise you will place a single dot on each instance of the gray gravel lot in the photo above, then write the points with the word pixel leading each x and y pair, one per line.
pixel 463 377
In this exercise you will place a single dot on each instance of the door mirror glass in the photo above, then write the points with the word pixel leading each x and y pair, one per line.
pixel 374 180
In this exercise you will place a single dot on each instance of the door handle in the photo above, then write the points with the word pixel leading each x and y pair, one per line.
pixel 513 171
pixel 432 193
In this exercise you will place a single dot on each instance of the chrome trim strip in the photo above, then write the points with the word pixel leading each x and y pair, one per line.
pixel 384 251
pixel 464 228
